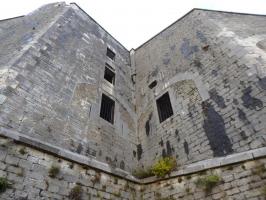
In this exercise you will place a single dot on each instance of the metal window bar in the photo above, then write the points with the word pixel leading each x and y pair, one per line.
pixel 164 107
pixel 107 109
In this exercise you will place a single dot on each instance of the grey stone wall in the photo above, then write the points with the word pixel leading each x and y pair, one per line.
pixel 240 181
pixel 212 64
pixel 51 90
pixel 28 171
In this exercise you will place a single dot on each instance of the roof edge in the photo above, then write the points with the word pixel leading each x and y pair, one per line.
pixel 73 3
pixel 165 29
pixel 230 12
pixel 1 20
pixel 209 10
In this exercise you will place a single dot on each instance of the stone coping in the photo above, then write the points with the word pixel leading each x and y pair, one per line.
pixel 66 154
pixel 92 162
pixel 212 163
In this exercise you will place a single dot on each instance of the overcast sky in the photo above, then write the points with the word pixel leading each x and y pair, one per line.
pixel 134 22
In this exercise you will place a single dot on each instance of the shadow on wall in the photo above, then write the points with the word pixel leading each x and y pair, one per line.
pixel 214 128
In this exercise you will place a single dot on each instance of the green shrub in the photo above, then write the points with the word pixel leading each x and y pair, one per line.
pixel 76 193
pixel 208 182
pixel 164 166
pixel 3 184
pixel 54 171
pixel 142 173
pixel 22 151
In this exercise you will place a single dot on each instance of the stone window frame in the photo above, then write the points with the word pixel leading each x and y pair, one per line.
pixel 164 112
pixel 114 111
pixel 172 101
pixel 109 67
pixel 111 50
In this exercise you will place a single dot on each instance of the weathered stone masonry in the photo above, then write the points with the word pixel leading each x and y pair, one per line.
pixel 53 75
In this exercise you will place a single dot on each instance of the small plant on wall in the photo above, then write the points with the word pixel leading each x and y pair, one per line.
pixel 142 173
pixel 164 166
pixel 4 184
pixel 161 168
pixel 76 193
pixel 208 182
pixel 54 171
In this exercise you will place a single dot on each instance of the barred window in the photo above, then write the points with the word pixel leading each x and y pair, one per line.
pixel 164 107
pixel 110 54
pixel 109 74
pixel 107 109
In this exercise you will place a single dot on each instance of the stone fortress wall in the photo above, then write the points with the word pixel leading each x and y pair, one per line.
pixel 53 87
pixel 212 64
pixel 53 67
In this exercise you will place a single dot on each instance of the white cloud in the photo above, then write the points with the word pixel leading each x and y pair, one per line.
pixel 134 22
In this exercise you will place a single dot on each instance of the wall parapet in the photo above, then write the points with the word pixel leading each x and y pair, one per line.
pixel 93 163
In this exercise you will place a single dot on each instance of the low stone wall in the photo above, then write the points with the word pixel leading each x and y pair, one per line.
pixel 28 169
pixel 29 172
pixel 240 181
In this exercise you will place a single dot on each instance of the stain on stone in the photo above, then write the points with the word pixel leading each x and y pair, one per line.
pixel 168 148
pixel 161 142
pixel 235 102
pixel 186 49
pixel 49 129
pixel 173 47
pixel 110 162
pixel 197 64
pixel 242 116
pixel 91 151
pixel 155 71
pixel 214 128
pixel 122 165
pixel 191 108
pixel 100 153
pixel 186 147
pixel 243 135
pixel 226 83
pixel 166 61
pixel 164 153
pixel 134 153
pixel 205 48
pixel 214 72
pixel 79 149
pixel 177 135
pixel 139 151
pixel 147 127
pixel 219 100
pixel 201 36
pixel 262 83
pixel 262 44
pixel 250 102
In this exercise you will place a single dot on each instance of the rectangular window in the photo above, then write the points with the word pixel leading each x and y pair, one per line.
pixel 164 107
pixel 110 54
pixel 107 109
pixel 109 75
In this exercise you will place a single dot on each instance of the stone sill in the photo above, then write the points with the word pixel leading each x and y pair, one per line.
pixel 92 162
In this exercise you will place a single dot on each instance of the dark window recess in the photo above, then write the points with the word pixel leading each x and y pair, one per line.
pixel 107 109
pixel 109 75
pixel 110 54
pixel 152 84
pixel 164 107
